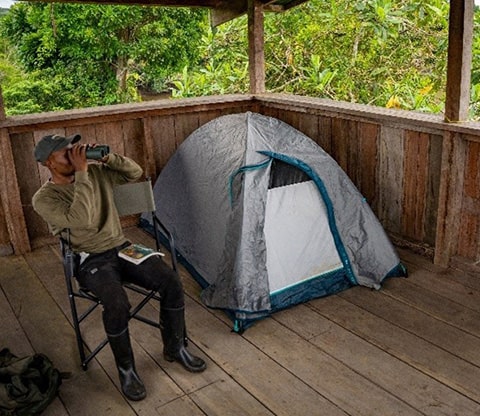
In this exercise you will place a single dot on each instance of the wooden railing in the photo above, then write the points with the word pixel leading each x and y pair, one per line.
pixel 420 175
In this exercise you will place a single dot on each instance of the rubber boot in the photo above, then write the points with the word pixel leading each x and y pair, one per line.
pixel 132 385
pixel 172 328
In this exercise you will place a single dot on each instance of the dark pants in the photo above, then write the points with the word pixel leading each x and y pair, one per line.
pixel 103 274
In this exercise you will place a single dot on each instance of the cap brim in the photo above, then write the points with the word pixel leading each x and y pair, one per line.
pixel 74 138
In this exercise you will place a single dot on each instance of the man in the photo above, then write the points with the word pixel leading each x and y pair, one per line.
pixel 79 196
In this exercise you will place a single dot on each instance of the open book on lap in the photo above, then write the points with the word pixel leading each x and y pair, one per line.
pixel 137 253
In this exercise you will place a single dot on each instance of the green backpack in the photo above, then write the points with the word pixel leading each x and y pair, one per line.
pixel 27 385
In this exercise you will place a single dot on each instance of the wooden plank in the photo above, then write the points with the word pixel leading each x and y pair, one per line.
pixel 451 285
pixel 347 389
pixel 184 126
pixel 308 125
pixel 472 171
pixel 366 175
pixel 5 246
pixel 459 60
pixel 12 197
pixel 414 387
pixel 325 133
pixel 163 131
pixel 271 112
pixel 12 335
pixel 468 241
pixel 149 168
pixel 133 138
pixel 256 53
pixel 343 136
pixel 456 315
pixel 206 116
pixel 224 13
pixel 368 322
pixel 415 184
pixel 283 394
pixel 468 245
pixel 22 145
pixel 390 178
pixel 450 198
pixel 227 398
pixel 110 134
pixel 181 406
pixel 433 189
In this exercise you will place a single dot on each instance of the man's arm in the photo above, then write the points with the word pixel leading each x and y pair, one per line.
pixel 124 168
pixel 56 209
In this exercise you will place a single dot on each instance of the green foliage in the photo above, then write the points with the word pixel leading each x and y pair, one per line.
pixel 95 55
pixel 223 63
pixel 390 53
pixel 381 52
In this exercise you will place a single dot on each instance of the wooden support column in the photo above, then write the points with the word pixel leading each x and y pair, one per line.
pixel 2 107
pixel 10 197
pixel 452 176
pixel 459 60
pixel 256 54
pixel 454 148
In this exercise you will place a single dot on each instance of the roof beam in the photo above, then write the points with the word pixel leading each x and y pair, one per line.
pixel 173 3
pixel 459 63
pixel 227 11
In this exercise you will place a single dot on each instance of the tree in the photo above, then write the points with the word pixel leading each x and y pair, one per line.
pixel 336 49
pixel 100 54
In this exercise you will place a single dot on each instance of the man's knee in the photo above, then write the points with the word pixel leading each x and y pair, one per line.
pixel 116 313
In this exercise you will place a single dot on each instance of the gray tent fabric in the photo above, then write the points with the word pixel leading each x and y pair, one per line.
pixel 213 193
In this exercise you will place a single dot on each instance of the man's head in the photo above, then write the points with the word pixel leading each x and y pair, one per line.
pixel 53 143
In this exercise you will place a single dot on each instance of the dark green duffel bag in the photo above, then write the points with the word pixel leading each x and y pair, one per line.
pixel 27 385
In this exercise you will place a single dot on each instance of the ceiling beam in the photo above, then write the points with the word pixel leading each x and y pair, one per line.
pixel 173 3
pixel 227 11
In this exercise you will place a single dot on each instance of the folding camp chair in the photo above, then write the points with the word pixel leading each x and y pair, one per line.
pixel 131 198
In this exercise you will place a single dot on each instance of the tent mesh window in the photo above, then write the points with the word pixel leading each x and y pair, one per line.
pixel 283 174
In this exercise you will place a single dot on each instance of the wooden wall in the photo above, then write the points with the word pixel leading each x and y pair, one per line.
pixel 419 174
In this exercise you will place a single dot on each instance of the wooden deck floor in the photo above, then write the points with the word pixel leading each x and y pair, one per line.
pixel 412 348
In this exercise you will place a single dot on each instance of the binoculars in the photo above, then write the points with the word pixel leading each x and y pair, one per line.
pixel 98 152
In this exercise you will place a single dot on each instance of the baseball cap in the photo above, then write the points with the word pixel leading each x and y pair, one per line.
pixel 52 143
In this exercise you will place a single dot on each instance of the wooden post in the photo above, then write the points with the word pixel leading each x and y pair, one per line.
pixel 450 199
pixel 459 62
pixel 256 55
pixel 11 200
pixel 2 108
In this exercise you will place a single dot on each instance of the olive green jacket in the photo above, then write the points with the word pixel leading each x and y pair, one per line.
pixel 86 206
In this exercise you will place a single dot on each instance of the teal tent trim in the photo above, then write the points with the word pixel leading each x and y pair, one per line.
pixel 328 204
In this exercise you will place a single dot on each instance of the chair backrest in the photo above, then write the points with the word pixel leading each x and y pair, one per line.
pixel 134 198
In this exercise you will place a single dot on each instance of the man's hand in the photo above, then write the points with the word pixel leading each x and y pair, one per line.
pixel 77 157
